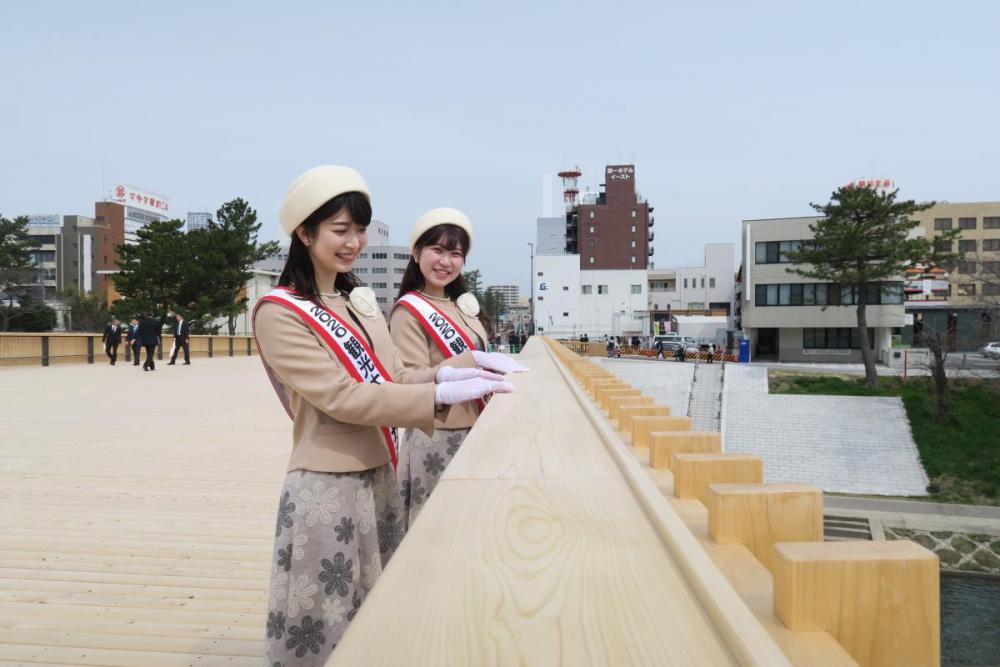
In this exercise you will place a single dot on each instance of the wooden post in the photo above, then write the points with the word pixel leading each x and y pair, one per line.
pixel 230 339
pixel 694 472
pixel 45 350
pixel 591 384
pixel 643 426
pixel 90 349
pixel 758 516
pixel 209 347
pixel 616 402
pixel 606 395
pixel 880 600
pixel 629 410
pixel 664 444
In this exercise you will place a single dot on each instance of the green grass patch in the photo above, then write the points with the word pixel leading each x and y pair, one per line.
pixel 961 456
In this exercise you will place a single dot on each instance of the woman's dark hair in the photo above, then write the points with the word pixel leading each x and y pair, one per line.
pixel 449 237
pixel 298 272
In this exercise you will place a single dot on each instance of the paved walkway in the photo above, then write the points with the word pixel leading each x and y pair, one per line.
pixel 668 382
pixel 847 444
pixel 706 397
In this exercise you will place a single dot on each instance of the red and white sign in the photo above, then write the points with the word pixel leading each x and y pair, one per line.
pixel 131 196
pixel 877 183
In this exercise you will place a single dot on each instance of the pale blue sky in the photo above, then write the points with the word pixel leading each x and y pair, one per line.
pixel 730 110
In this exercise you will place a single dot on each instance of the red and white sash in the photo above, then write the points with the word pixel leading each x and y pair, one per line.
pixel 446 334
pixel 350 348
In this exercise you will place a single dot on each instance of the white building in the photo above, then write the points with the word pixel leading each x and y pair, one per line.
pixel 198 220
pixel 696 288
pixel 511 294
pixel 381 266
pixel 792 318
pixel 570 302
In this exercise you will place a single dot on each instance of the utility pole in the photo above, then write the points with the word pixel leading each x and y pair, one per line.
pixel 531 323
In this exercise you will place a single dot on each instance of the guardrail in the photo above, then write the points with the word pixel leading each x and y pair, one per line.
pixel 48 349
pixel 599 349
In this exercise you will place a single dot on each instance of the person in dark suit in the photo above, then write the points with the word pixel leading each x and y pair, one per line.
pixel 132 340
pixel 112 338
pixel 149 338
pixel 181 330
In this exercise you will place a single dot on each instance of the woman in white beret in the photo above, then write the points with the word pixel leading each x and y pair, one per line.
pixel 327 351
pixel 436 319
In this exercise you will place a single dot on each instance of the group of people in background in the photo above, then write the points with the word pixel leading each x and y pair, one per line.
pixel 146 334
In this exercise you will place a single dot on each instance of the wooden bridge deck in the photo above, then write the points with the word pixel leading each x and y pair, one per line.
pixel 136 513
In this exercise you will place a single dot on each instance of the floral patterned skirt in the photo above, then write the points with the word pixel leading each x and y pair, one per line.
pixel 422 459
pixel 335 532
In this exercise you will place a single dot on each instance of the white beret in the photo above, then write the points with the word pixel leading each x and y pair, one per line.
pixel 440 216
pixel 313 189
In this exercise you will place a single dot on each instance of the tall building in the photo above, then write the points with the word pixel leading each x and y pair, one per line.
pixel 198 220
pixel 67 253
pixel 381 265
pixel 511 293
pixel 792 318
pixel 962 302
pixel 615 231
pixel 120 217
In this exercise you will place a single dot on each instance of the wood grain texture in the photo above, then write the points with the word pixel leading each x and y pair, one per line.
pixel 539 573
pixel 880 600
pixel 615 404
pixel 694 472
pixel 759 516
pixel 136 532
pixel 663 445
pixel 604 396
pixel 629 410
pixel 642 427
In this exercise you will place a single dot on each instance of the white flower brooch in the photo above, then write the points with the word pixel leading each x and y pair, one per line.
pixel 468 304
pixel 363 300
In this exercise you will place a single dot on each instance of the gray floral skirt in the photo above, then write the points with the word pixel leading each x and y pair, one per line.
pixel 422 459
pixel 335 532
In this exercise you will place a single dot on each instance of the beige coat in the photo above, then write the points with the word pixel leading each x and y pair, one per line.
pixel 419 353
pixel 336 419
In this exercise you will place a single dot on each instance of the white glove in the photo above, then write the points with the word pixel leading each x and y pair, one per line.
pixel 459 391
pixel 450 374
pixel 495 361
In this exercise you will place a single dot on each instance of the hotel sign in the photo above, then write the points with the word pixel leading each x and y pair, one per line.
pixel 142 199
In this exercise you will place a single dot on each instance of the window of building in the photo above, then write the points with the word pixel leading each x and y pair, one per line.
pixel 633 259
pixel 967 246
pixel 990 268
pixel 945 245
pixel 586 289
pixel 397 285
pixel 380 269
pixel 541 273
pixel 399 270
pixel 591 215
pixel 825 294
pixel 602 289
pixel 565 314
pixel 991 289
pixel 967 289
pixel 363 255
pixel 382 300
pixel 685 283
pixel 379 285
pixel 966 223
pixel 842 338
pixel 591 259
pixel 361 269
pixel 633 213
pixel 541 298
pixel 633 229
pixel 591 229
pixel 400 255
pixel 633 243
pixel 991 223
pixel 942 224
pixel 991 244
pixel 636 289
pixel 711 283
pixel 968 268
pixel 703 282
pixel 565 288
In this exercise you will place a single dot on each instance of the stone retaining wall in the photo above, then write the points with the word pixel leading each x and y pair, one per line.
pixel 966 552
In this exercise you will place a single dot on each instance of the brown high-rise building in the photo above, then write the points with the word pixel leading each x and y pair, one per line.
pixel 613 232
pixel 110 219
